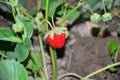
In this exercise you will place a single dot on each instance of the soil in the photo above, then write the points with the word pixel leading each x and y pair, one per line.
pixel 90 54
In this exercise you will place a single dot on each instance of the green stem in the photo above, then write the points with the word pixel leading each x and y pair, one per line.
pixel 37 62
pixel 65 18
pixel 53 21
pixel 116 55
pixel 28 15
pixel 17 10
pixel 13 10
pixel 47 23
pixel 104 6
pixel 102 29
pixel 43 55
pixel 100 70
pixel 54 63
pixel 41 75
pixel 70 74
pixel 46 13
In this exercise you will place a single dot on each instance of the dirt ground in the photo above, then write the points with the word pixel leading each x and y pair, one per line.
pixel 90 54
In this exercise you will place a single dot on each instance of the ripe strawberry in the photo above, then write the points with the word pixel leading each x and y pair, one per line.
pixel 56 37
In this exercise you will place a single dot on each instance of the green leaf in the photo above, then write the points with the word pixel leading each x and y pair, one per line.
pixel 12 70
pixel 113 46
pixel 28 29
pixel 37 58
pixel 36 62
pixel 53 4
pixel 30 64
pixel 33 11
pixel 22 50
pixel 108 3
pixel 21 18
pixel 113 69
pixel 35 69
pixel 60 11
pixel 23 3
pixel 8 35
pixel 11 55
pixel 74 16
pixel 94 4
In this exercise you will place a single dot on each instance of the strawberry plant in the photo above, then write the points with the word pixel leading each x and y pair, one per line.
pixel 113 49
pixel 49 21
pixel 20 35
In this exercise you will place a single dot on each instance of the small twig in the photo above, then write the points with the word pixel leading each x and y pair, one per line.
pixel 100 70
pixel 70 74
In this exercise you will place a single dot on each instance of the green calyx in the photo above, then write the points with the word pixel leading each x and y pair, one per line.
pixel 95 18
pixel 57 30
pixel 106 17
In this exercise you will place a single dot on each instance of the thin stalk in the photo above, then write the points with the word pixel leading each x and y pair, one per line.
pixel 52 51
pixel 100 70
pixel 116 55
pixel 17 8
pixel 102 29
pixel 70 74
pixel 13 10
pixel 46 13
pixel 53 21
pixel 23 11
pixel 65 18
pixel 104 6
pixel 43 55
pixel 54 63
pixel 47 23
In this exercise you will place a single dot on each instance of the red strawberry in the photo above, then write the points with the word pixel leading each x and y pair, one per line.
pixel 57 41
pixel 56 37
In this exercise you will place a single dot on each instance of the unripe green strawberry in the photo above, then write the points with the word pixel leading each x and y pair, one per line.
pixel 39 15
pixel 56 37
pixel 95 18
pixel 106 17
pixel 18 27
